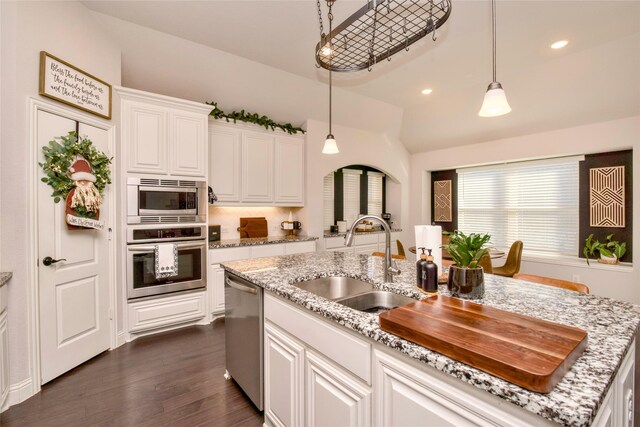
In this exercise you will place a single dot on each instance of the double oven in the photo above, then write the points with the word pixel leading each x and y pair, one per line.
pixel 165 211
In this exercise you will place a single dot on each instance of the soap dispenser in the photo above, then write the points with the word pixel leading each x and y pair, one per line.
pixel 430 274
pixel 421 268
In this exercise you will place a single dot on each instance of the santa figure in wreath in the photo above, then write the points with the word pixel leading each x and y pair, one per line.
pixel 84 200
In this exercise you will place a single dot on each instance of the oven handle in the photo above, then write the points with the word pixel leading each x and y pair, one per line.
pixel 168 189
pixel 145 248
pixel 241 288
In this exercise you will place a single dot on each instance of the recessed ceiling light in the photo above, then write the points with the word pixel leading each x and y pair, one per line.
pixel 427 91
pixel 326 51
pixel 559 44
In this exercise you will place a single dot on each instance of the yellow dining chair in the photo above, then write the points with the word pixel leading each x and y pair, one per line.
pixel 514 259
pixel 485 263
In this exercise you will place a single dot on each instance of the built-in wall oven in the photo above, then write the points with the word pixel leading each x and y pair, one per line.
pixel 161 200
pixel 191 251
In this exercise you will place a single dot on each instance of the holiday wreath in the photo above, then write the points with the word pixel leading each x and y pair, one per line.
pixel 79 173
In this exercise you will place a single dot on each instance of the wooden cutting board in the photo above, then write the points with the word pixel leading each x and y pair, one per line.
pixel 253 227
pixel 532 353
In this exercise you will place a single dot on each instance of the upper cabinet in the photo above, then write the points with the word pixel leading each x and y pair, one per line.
pixel 224 162
pixel 254 167
pixel 289 167
pixel 257 167
pixel 163 135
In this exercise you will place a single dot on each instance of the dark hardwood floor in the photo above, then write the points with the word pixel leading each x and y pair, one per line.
pixel 170 379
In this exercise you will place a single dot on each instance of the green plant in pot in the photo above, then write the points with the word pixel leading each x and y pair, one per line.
pixel 466 277
pixel 610 251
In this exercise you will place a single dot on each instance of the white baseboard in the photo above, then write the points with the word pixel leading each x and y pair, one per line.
pixel 121 338
pixel 19 392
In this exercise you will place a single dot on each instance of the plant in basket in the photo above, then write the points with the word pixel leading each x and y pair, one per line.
pixel 610 251
pixel 466 277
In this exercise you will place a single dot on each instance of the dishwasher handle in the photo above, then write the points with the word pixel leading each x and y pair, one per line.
pixel 240 287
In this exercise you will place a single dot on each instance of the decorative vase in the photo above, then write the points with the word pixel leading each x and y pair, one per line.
pixel 608 259
pixel 466 283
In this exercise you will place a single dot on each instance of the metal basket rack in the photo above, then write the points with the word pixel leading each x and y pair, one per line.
pixel 378 30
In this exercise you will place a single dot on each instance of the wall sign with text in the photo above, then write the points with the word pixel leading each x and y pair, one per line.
pixel 63 82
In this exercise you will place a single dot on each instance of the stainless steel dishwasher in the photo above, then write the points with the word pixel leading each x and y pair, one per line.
pixel 243 336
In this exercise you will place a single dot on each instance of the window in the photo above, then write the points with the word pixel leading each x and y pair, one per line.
pixel 375 184
pixel 536 202
pixel 351 198
pixel 328 212
pixel 351 191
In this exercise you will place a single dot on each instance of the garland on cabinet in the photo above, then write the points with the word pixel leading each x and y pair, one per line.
pixel 78 173
pixel 254 118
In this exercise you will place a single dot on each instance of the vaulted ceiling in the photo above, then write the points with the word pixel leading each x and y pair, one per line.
pixel 595 78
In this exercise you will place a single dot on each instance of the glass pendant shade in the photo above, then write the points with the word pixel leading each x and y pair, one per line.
pixel 495 102
pixel 330 146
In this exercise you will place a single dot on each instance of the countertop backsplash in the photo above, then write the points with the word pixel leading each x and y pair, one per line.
pixel 229 218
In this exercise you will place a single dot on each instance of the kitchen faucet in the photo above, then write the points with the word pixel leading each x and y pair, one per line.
pixel 389 268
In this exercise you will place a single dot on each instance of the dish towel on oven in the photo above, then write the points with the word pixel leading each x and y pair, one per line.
pixel 166 260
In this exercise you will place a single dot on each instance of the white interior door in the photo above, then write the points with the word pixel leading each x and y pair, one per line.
pixel 73 293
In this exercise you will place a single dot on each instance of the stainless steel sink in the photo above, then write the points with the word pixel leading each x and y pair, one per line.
pixel 334 287
pixel 375 301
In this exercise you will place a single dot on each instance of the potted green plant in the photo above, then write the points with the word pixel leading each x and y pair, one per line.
pixel 610 251
pixel 466 278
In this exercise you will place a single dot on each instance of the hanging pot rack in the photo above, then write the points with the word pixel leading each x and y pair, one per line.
pixel 379 30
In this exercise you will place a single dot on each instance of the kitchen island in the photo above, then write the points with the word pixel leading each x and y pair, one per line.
pixel 590 392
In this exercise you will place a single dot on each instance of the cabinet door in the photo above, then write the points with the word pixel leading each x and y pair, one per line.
pixel 215 283
pixel 224 163
pixel 404 394
pixel 367 249
pixel 257 167
pixel 4 359
pixel 625 389
pixel 606 413
pixel 289 170
pixel 283 379
pixel 334 398
pixel 144 132
pixel 188 142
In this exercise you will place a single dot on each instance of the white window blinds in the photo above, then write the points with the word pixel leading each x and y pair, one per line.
pixel 536 202
pixel 374 201
pixel 327 184
pixel 351 185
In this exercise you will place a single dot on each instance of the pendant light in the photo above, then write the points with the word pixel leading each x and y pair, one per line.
pixel 495 100
pixel 330 146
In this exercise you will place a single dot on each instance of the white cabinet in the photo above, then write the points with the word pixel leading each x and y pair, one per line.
pixel 289 170
pixel 188 142
pixel 366 249
pixel 625 396
pixel 161 135
pixel 216 291
pixel 166 312
pixel 224 163
pixel 144 135
pixel 257 167
pixel 333 397
pixel 362 243
pixel 283 379
pixel 254 167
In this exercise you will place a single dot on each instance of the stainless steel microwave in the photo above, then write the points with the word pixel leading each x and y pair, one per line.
pixel 160 200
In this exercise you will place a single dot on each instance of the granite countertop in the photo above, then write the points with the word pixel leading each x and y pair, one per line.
pixel 4 277
pixel 270 240
pixel 330 234
pixel 574 401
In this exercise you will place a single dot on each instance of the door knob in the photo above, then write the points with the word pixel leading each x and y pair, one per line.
pixel 48 260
